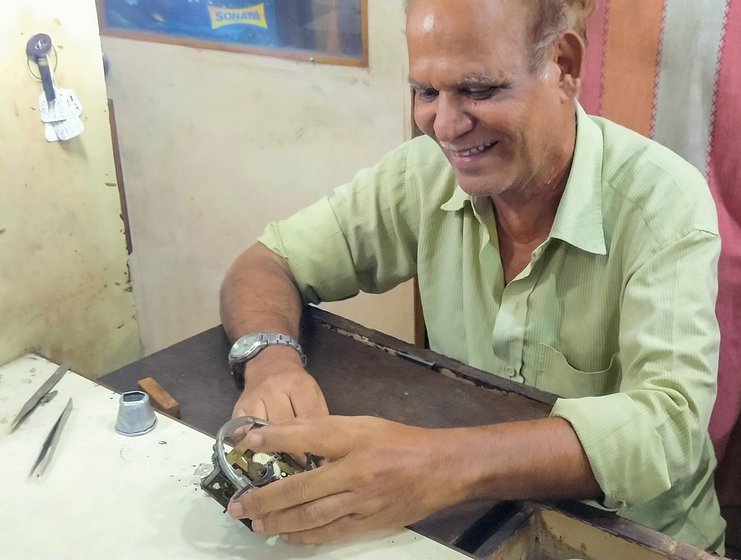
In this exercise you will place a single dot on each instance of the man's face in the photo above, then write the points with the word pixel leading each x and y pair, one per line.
pixel 502 125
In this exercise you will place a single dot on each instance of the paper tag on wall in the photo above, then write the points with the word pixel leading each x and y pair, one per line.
pixel 64 106
pixel 68 128
pixel 61 116
pixel 49 133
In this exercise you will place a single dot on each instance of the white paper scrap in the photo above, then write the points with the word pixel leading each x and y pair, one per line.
pixel 64 106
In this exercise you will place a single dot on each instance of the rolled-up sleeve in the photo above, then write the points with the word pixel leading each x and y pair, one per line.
pixel 652 433
pixel 362 238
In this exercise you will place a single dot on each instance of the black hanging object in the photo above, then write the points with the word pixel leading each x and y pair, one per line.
pixel 38 48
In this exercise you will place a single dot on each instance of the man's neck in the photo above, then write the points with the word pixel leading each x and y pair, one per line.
pixel 526 217
pixel 523 223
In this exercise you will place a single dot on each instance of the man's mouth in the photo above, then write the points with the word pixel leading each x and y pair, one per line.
pixel 474 151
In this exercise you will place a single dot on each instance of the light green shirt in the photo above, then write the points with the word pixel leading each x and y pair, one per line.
pixel 614 313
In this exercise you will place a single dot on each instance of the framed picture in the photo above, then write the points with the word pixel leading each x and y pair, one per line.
pixel 323 31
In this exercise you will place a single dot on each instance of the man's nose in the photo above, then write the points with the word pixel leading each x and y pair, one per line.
pixel 452 120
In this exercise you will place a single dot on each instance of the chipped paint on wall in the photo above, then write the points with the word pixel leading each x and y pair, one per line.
pixel 64 284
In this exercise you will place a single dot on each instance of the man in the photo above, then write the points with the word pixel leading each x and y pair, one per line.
pixel 556 249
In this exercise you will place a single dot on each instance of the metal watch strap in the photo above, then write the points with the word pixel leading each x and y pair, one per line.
pixel 259 341
pixel 285 340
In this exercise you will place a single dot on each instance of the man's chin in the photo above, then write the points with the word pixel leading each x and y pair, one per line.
pixel 477 188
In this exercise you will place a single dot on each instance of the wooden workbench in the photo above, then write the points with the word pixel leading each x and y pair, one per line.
pixel 363 372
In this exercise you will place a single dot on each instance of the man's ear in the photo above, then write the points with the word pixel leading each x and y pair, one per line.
pixel 571 56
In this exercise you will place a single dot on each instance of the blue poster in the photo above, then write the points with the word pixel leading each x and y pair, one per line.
pixel 241 22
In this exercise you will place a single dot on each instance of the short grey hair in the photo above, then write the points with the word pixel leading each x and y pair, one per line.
pixel 550 18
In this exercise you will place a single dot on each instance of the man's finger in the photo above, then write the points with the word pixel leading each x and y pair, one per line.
pixel 310 515
pixel 246 408
pixel 278 409
pixel 306 405
pixel 293 491
pixel 324 436
pixel 341 528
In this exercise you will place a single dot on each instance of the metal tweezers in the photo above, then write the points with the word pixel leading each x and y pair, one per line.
pixel 50 443
pixel 38 396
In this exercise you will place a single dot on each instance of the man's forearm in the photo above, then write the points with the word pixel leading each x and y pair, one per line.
pixel 537 459
pixel 259 294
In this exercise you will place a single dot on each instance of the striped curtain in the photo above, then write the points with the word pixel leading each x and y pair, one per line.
pixel 671 70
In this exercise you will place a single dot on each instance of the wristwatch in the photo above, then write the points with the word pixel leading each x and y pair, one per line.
pixel 249 345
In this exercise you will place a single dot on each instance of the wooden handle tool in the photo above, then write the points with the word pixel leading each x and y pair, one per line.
pixel 161 399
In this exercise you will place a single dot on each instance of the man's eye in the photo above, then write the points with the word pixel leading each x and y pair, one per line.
pixel 481 93
pixel 427 94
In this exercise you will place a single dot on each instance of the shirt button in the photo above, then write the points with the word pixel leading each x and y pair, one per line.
pixel 510 371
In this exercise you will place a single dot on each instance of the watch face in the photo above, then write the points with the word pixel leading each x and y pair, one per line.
pixel 243 347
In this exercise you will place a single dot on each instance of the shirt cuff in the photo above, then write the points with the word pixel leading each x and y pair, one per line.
pixel 625 452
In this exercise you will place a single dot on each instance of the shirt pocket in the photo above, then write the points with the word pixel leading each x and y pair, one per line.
pixel 556 375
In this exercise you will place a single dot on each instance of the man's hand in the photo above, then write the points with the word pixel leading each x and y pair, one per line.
pixel 278 388
pixel 377 475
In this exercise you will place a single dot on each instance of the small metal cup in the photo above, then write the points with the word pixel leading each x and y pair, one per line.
pixel 135 414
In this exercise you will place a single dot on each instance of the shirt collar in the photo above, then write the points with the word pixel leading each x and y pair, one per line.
pixel 457 200
pixel 579 216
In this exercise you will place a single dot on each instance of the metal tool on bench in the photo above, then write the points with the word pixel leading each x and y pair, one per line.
pixel 50 443
pixel 39 396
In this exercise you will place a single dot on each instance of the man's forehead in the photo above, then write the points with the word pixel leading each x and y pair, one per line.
pixel 449 48
pixel 409 3
pixel 463 18
pixel 474 6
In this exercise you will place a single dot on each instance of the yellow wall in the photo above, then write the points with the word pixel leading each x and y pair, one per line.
pixel 64 288
pixel 215 144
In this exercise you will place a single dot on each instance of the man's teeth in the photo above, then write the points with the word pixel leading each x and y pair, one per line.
pixel 475 150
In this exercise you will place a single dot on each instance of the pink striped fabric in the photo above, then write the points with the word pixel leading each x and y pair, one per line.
pixel 671 69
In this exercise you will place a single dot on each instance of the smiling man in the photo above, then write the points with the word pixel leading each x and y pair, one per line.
pixel 553 248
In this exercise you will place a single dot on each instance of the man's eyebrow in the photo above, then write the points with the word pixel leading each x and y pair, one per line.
pixel 468 80
pixel 417 85
pixel 481 80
